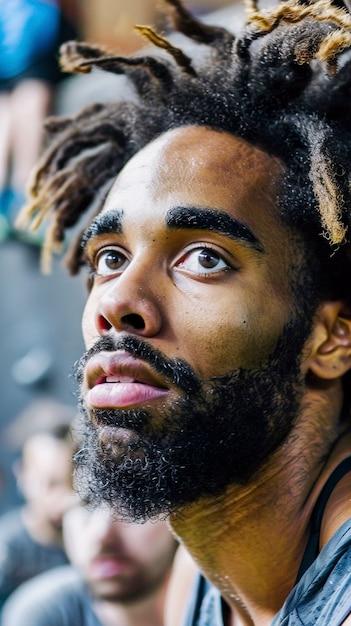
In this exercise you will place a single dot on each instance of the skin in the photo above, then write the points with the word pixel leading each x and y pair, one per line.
pixel 45 479
pixel 126 566
pixel 169 310
pixel 248 542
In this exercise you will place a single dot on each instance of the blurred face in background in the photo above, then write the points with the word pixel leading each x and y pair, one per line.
pixel 119 561
pixel 45 479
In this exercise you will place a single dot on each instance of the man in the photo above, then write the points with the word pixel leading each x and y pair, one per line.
pixel 119 576
pixel 31 535
pixel 215 385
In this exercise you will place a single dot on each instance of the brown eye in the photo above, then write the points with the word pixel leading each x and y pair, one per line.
pixel 208 258
pixel 203 261
pixel 110 262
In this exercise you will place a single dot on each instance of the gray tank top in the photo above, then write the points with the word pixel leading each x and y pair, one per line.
pixel 322 593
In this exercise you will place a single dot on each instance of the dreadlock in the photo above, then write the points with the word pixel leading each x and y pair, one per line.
pixel 282 84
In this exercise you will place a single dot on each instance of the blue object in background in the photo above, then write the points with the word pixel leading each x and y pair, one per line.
pixel 28 30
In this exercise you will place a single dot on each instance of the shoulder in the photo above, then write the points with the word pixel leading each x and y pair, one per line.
pixel 323 594
pixel 43 600
pixel 338 509
pixel 11 523
pixel 13 540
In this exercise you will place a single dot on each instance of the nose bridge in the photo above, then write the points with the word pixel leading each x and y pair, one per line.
pixel 106 531
pixel 138 276
pixel 132 298
pixel 100 522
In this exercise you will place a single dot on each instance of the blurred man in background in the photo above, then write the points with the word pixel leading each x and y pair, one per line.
pixel 120 576
pixel 31 535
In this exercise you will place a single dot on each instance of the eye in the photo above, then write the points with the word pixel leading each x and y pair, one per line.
pixel 203 261
pixel 110 261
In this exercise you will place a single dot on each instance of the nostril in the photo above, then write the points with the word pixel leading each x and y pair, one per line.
pixel 133 320
pixel 104 324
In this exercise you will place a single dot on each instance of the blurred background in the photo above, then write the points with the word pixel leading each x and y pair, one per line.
pixel 40 334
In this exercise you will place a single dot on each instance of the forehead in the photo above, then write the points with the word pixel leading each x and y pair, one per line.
pixel 209 167
pixel 43 452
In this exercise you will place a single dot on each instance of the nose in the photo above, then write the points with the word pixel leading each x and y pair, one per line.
pixel 106 530
pixel 130 304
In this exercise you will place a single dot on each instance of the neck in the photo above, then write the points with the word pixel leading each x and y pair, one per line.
pixel 248 544
pixel 249 541
pixel 146 611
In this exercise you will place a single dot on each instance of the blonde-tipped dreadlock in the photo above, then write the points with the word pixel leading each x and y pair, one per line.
pixel 283 83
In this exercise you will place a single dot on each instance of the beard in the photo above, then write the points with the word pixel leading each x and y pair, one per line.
pixel 221 433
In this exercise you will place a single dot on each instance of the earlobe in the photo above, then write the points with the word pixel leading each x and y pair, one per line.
pixel 330 354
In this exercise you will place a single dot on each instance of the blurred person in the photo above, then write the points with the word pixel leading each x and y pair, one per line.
pixel 31 535
pixel 183 578
pixel 30 34
pixel 119 576
pixel 3 484
pixel 44 413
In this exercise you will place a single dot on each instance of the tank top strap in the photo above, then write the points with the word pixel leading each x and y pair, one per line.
pixel 312 548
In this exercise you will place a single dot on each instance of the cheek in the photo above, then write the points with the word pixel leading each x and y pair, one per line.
pixel 215 341
pixel 89 331
pixel 79 549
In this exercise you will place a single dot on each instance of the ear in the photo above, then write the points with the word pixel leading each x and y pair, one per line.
pixel 329 345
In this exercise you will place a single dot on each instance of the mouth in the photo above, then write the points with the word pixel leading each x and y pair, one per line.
pixel 119 381
pixel 105 568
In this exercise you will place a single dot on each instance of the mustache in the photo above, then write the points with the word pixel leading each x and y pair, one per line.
pixel 176 371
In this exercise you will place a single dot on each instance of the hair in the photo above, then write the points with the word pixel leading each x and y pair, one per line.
pixel 283 84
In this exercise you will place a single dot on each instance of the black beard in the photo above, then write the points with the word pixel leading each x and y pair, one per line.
pixel 221 433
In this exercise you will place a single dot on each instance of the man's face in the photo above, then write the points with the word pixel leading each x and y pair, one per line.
pixel 120 562
pixel 45 477
pixel 192 377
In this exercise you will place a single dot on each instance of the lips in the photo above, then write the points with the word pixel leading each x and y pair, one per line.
pixel 118 380
pixel 106 567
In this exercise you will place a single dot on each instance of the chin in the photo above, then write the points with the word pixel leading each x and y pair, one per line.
pixel 117 444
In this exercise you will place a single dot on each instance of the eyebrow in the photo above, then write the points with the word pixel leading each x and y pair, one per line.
pixel 104 224
pixel 199 218
pixel 187 218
